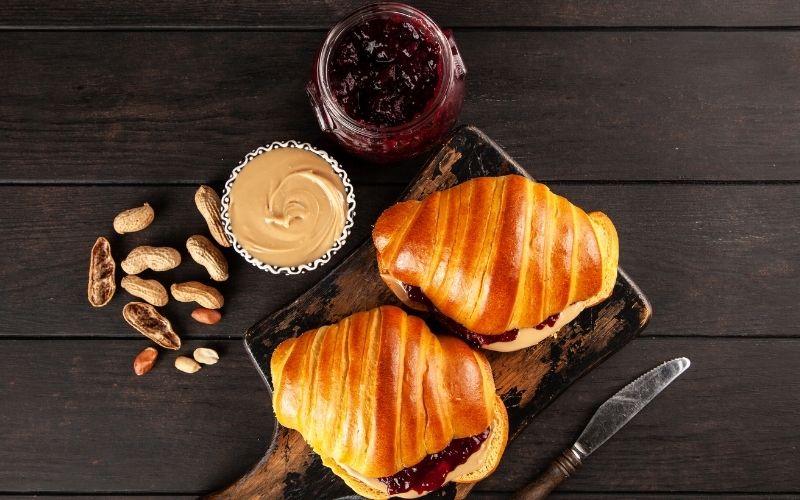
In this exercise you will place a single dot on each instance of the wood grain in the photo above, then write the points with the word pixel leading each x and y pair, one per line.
pixel 168 107
pixel 615 91
pixel 321 14
pixel 715 260
pixel 74 418
pixel 615 495
pixel 734 421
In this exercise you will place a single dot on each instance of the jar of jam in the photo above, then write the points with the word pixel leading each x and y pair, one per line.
pixel 388 83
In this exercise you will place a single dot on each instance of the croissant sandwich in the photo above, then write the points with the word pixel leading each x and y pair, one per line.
pixel 390 408
pixel 501 261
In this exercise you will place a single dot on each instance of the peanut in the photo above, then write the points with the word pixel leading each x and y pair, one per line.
pixel 134 219
pixel 155 258
pixel 151 324
pixel 206 316
pixel 186 365
pixel 210 207
pixel 148 290
pixel 194 291
pixel 205 355
pixel 207 255
pixel 144 362
pixel 102 284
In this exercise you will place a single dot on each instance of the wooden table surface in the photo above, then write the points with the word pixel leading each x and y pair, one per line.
pixel 679 120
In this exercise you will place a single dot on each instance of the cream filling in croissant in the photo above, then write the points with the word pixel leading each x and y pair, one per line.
pixel 397 287
pixel 472 464
pixel 525 337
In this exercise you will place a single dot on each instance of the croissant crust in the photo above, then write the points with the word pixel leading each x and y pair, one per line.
pixel 498 253
pixel 378 391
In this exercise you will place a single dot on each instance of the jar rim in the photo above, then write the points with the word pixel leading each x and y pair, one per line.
pixel 372 11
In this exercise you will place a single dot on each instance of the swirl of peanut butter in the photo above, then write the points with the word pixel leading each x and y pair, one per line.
pixel 287 207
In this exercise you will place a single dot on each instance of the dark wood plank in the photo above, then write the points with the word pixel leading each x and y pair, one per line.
pixel 560 495
pixel 186 106
pixel 707 257
pixel 719 428
pixel 321 14
pixel 526 380
pixel 75 419
pixel 89 496
pixel 714 260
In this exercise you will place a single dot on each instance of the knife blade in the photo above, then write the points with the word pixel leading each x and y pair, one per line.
pixel 606 421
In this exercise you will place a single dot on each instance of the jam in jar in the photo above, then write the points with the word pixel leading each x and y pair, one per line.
pixel 388 83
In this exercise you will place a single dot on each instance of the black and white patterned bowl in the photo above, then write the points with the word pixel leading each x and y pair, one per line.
pixel 339 243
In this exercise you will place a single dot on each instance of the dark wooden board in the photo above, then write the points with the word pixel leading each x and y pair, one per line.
pixel 171 107
pixel 74 419
pixel 526 380
pixel 698 250
pixel 321 14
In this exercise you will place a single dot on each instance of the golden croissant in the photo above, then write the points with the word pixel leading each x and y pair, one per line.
pixel 502 261
pixel 390 408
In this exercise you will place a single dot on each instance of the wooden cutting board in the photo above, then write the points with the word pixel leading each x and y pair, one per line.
pixel 527 380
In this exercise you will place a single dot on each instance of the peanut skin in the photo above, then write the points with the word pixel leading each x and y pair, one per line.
pixel 206 316
pixel 145 360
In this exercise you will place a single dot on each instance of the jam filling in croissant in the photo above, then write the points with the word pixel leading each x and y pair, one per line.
pixel 431 472
pixel 415 294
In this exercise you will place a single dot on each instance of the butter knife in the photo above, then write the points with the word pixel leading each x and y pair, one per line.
pixel 607 420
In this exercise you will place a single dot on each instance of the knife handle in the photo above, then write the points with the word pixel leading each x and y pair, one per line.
pixel 564 466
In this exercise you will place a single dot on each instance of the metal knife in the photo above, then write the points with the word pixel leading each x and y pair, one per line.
pixel 607 420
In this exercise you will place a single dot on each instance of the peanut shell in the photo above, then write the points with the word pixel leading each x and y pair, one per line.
pixel 209 256
pixel 194 291
pixel 134 219
pixel 150 291
pixel 102 283
pixel 155 258
pixel 150 323
pixel 210 207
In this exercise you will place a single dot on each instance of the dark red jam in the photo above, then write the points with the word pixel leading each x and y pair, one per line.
pixel 415 294
pixel 430 473
pixel 388 82
pixel 385 71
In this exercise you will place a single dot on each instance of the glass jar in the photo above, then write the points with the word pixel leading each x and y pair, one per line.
pixel 382 142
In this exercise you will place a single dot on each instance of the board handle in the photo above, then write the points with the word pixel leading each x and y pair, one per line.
pixel 271 476
pixel 564 466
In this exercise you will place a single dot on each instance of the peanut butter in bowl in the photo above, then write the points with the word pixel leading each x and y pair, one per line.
pixel 288 207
